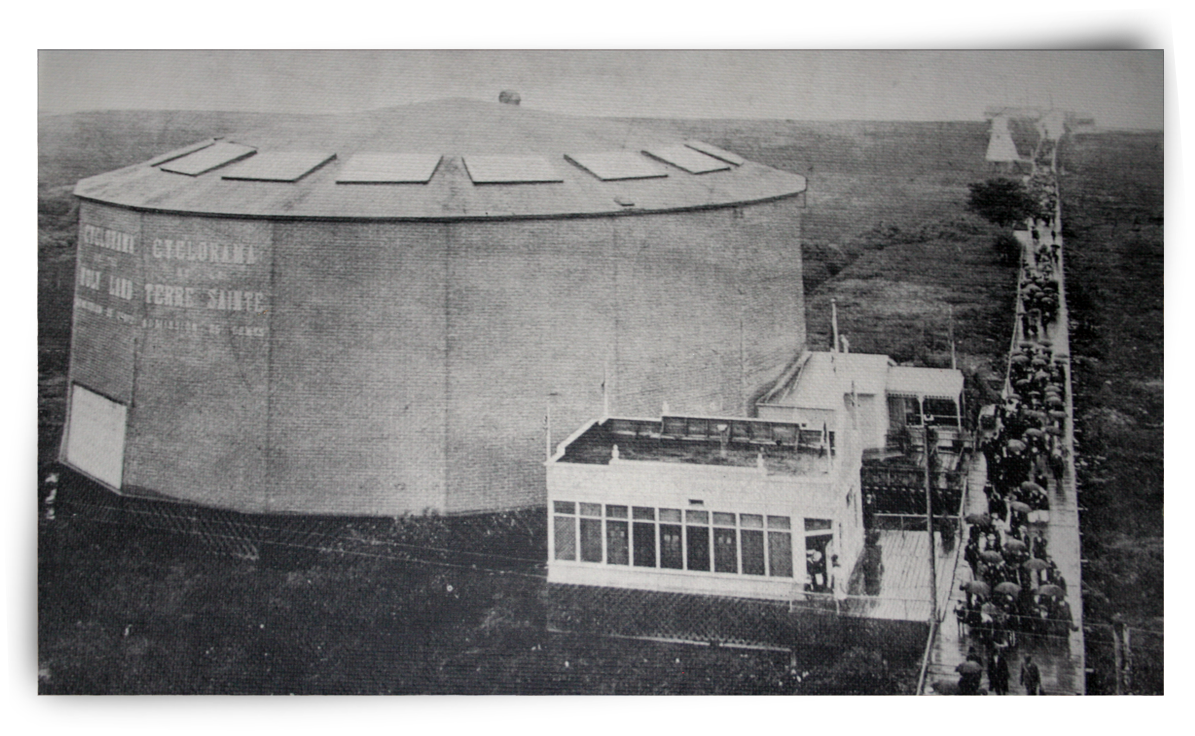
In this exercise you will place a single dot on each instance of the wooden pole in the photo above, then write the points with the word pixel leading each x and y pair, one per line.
pixel 929 520
pixel 1118 655
pixel 834 323
pixel 953 362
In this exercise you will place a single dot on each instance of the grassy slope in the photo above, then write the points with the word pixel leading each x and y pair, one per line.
pixel 1112 196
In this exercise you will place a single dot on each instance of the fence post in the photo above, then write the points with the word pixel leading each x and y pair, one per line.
pixel 1117 653
pixel 1128 661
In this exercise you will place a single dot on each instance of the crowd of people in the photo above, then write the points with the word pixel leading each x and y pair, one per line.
pixel 1015 587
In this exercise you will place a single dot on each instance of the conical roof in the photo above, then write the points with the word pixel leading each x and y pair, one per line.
pixel 443 160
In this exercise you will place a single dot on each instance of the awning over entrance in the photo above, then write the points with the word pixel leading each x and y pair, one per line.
pixel 939 383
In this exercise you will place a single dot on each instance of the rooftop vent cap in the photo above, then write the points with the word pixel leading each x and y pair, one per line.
pixel 509 97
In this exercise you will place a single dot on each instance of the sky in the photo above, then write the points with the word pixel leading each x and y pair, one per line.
pixel 1122 89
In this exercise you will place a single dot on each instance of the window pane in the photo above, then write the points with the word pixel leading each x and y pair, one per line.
pixel 565 507
pixel 670 515
pixel 698 540
pixel 670 547
pixel 726 550
pixel 591 540
pixel 616 543
pixel 752 552
pixel 698 517
pixel 566 538
pixel 778 522
pixel 640 512
pixel 751 521
pixel 813 525
pixel 721 519
pixel 591 509
pixel 645 545
pixel 780 554
pixel 618 512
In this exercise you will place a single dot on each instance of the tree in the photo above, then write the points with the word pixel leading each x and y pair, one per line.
pixel 1001 201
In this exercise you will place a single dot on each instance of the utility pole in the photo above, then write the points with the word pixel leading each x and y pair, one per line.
pixel 953 361
pixel 929 520
pixel 834 323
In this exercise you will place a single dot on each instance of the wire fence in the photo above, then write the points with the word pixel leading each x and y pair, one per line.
pixel 1134 665
pixel 511 543
pixel 895 626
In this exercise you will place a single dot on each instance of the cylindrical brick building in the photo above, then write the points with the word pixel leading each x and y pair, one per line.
pixel 371 314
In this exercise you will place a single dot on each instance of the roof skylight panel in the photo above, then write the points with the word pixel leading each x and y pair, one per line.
pixel 686 158
pixel 180 152
pixel 510 170
pixel 617 165
pixel 389 168
pixel 210 157
pixel 718 153
pixel 284 166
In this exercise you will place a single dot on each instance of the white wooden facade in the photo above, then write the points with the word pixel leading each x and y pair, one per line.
pixel 703 528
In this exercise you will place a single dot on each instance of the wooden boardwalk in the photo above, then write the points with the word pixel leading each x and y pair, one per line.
pixel 1061 659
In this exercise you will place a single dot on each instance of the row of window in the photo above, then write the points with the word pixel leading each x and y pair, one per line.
pixel 695 539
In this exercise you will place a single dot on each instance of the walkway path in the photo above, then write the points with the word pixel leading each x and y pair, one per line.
pixel 1060 658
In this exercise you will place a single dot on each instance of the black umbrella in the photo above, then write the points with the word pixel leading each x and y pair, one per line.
pixel 1031 487
pixel 1016 545
pixel 1020 507
pixel 991 556
pixel 969 667
pixel 979 519
pixel 1008 588
pixel 1050 590
pixel 1034 563
pixel 977 587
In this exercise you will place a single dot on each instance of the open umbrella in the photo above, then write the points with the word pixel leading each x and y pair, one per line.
pixel 976 587
pixel 1058 414
pixel 1016 445
pixel 990 609
pixel 1039 362
pixel 1020 507
pixel 1008 588
pixel 1033 432
pixel 991 556
pixel 1031 487
pixel 1051 590
pixel 970 667
pixel 1056 431
pixel 1034 563
pixel 980 519
pixel 1015 545
pixel 1019 359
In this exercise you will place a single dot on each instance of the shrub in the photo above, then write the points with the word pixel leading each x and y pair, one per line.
pixel 1004 202
pixel 1008 248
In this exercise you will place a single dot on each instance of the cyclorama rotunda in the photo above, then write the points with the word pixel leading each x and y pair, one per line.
pixel 366 314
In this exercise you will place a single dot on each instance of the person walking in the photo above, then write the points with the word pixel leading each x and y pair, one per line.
pixel 1031 676
pixel 998 673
